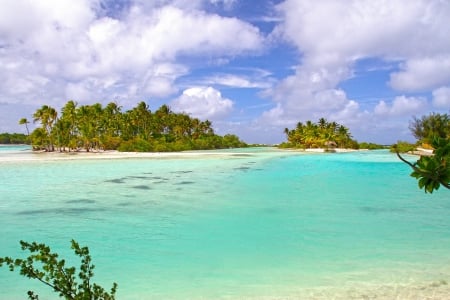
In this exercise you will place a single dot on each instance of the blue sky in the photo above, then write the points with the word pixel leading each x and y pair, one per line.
pixel 251 67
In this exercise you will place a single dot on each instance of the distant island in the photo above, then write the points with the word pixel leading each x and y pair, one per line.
pixel 97 128
pixel 324 135
pixel 94 127
pixel 13 139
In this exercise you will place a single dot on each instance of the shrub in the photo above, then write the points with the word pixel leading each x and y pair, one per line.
pixel 45 266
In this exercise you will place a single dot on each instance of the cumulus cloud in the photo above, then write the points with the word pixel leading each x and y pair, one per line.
pixel 422 74
pixel 401 106
pixel 415 33
pixel 355 28
pixel 203 103
pixel 71 43
pixel 103 50
pixel 441 98
pixel 412 36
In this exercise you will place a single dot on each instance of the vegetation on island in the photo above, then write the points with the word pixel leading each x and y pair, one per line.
pixel 403 147
pixel 432 132
pixel 322 134
pixel 13 138
pixel 94 127
pixel 371 146
pixel 46 267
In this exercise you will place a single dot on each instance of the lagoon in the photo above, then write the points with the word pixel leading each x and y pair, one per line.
pixel 257 223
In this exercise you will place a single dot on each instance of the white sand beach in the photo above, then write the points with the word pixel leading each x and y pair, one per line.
pixel 31 156
pixel 114 154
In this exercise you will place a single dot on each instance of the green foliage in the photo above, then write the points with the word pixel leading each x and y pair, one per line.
pixel 370 146
pixel 403 147
pixel 322 134
pixel 108 128
pixel 13 138
pixel 47 268
pixel 111 142
pixel 286 145
pixel 135 145
pixel 232 141
pixel 433 171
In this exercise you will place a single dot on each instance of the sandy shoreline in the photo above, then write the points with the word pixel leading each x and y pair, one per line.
pixel 33 156
pixel 114 154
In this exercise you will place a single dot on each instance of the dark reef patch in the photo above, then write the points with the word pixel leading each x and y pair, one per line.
pixel 65 210
pixel 139 177
pixel 158 178
pixel 242 168
pixel 117 180
pixel 185 182
pixel 379 210
pixel 141 187
pixel 80 201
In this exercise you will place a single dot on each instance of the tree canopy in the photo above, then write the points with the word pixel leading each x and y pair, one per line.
pixel 96 127
pixel 426 128
pixel 322 134
pixel 13 138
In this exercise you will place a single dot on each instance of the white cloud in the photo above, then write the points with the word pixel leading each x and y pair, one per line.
pixel 203 103
pixel 422 74
pixel 401 106
pixel 360 28
pixel 64 47
pixel 332 36
pixel 441 98
pixel 238 81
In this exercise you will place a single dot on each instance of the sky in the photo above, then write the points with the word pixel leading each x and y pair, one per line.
pixel 251 67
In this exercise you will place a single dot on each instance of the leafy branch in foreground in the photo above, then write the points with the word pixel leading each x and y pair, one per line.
pixel 45 266
pixel 432 171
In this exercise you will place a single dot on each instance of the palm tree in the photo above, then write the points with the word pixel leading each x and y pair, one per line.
pixel 97 121
pixel 195 123
pixel 163 119
pixel 320 134
pixel 39 139
pixel 69 115
pixel 62 127
pixel 24 121
pixel 208 127
pixel 47 116
pixel 112 114
pixel 322 123
pixel 343 136
pixel 86 126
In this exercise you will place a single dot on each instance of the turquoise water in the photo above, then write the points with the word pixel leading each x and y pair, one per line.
pixel 258 224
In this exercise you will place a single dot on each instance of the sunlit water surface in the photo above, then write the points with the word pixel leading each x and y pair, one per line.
pixel 252 224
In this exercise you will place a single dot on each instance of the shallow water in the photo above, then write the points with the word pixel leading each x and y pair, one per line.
pixel 245 225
